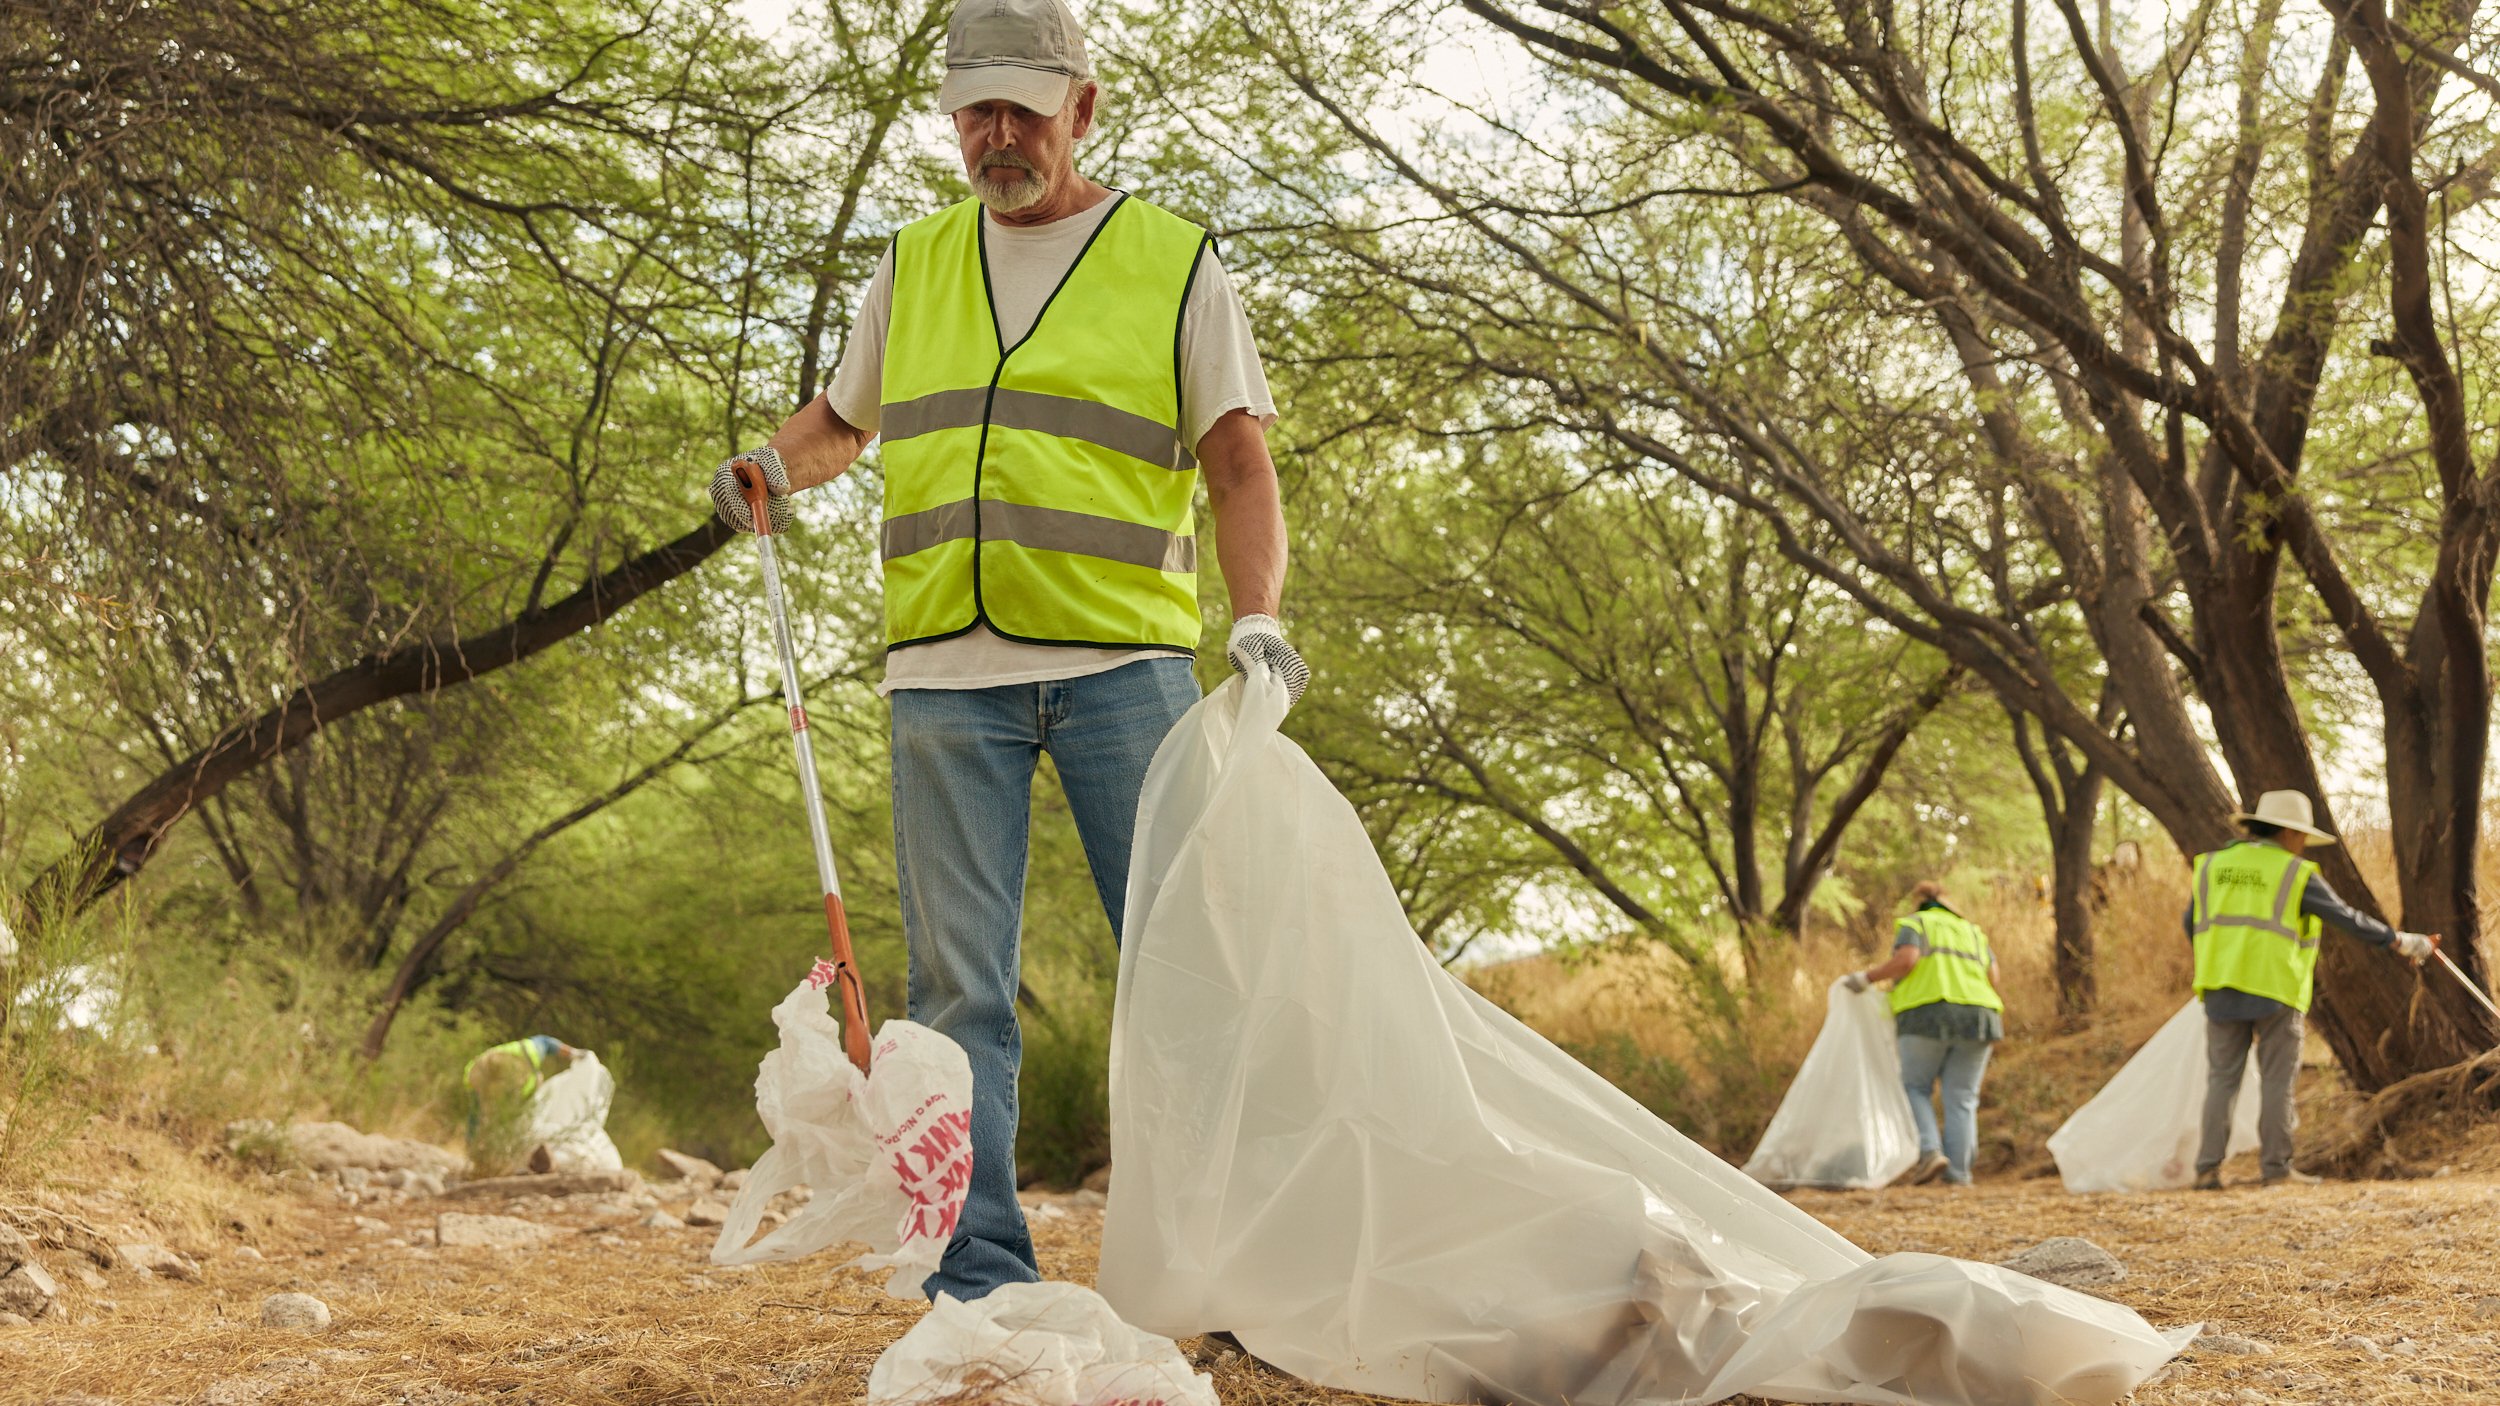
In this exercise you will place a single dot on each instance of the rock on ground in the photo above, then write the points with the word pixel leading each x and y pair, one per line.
pixel 734 1181
pixel 301 1312
pixel 2068 1260
pixel 454 1229
pixel 706 1212
pixel 548 1184
pixel 333 1147
pixel 2227 1345
pixel 26 1290
pixel 686 1167
pixel 662 1220
pixel 156 1259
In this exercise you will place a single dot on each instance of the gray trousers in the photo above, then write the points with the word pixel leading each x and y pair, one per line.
pixel 2277 1038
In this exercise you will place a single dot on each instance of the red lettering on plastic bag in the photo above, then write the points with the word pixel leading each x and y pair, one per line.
pixel 822 974
pixel 935 1171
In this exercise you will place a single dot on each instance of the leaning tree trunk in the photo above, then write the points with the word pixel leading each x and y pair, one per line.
pixel 129 837
pixel 2071 834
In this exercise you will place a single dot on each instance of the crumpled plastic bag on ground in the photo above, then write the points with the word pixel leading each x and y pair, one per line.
pixel 887 1154
pixel 2140 1132
pixel 1845 1121
pixel 1045 1344
pixel 1377 1180
pixel 569 1117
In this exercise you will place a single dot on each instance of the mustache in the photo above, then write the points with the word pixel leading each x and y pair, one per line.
pixel 1008 159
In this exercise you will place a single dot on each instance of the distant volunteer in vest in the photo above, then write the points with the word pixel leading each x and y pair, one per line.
pixel 2255 911
pixel 1052 366
pixel 1947 1017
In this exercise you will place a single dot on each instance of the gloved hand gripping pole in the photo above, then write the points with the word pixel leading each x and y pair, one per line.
pixel 845 967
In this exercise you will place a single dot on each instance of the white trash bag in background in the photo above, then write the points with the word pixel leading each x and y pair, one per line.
pixel 569 1117
pixel 1046 1344
pixel 2140 1132
pixel 1844 1123
pixel 887 1154
pixel 1377 1180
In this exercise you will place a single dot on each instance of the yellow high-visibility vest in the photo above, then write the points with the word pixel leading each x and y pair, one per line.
pixel 1041 488
pixel 525 1048
pixel 1954 967
pixel 2245 920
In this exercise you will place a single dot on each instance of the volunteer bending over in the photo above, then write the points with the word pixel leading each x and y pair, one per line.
pixel 2254 917
pixel 1947 1017
pixel 1050 365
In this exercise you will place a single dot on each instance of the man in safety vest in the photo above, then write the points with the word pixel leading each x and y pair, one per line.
pixel 1947 1018
pixel 2255 911
pixel 1051 366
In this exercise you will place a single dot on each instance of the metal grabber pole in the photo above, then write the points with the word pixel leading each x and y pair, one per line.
pixel 2467 982
pixel 845 968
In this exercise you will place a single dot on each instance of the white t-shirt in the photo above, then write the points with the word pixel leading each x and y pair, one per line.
pixel 1220 373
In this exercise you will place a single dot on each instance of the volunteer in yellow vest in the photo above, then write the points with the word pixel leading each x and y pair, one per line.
pixel 503 1078
pixel 2256 909
pixel 1053 368
pixel 1947 1018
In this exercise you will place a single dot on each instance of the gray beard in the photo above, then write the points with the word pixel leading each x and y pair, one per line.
pixel 1005 190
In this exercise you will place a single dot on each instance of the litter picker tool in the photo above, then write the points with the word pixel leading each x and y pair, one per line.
pixel 845 968
pixel 2467 982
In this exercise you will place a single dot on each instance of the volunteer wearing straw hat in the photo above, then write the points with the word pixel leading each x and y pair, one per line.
pixel 1050 366
pixel 2255 915
pixel 1947 1018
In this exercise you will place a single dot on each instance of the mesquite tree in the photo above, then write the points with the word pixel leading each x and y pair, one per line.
pixel 2046 320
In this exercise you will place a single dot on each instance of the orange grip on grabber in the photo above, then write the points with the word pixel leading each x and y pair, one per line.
pixel 759 498
pixel 846 982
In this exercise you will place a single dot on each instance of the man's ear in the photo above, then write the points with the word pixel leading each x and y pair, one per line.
pixel 1084 112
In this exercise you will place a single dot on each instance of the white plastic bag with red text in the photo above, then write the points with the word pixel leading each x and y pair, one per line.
pixel 1845 1121
pixel 1375 1179
pixel 1046 1344
pixel 2141 1131
pixel 886 1154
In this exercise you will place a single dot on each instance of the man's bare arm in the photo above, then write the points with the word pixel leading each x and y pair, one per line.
pixel 817 445
pixel 1249 512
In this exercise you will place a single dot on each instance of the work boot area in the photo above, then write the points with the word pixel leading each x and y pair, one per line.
pixel 2338 1293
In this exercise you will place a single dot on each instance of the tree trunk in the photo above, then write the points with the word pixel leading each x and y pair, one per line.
pixel 131 835
pixel 2071 835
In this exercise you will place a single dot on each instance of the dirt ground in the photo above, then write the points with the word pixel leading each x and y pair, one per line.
pixel 2361 1293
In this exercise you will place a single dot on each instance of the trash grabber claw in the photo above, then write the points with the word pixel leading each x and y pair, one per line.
pixel 845 968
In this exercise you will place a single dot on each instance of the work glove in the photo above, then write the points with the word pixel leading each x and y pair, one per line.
pixel 2415 948
pixel 732 505
pixel 1258 639
pixel 1855 982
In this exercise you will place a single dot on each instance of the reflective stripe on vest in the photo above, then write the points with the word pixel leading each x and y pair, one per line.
pixel 1953 968
pixel 1041 488
pixel 2246 923
pixel 525 1048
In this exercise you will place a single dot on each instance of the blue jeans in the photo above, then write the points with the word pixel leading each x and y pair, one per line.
pixel 1958 1064
pixel 963 787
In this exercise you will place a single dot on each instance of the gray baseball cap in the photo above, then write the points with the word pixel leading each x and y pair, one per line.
pixel 1027 52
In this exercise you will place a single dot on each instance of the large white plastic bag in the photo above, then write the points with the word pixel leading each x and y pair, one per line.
pixel 1378 1180
pixel 1845 1121
pixel 1046 1344
pixel 569 1117
pixel 2140 1132
pixel 887 1154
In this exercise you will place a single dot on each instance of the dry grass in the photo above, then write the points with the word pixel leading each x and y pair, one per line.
pixel 614 1313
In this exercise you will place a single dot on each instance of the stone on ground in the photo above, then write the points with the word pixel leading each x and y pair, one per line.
pixel 2229 1345
pixel 662 1220
pixel 2069 1261
pixel 301 1312
pixel 453 1229
pixel 27 1291
pixel 706 1212
pixel 336 1147
pixel 546 1184
pixel 734 1181
pixel 156 1259
pixel 686 1167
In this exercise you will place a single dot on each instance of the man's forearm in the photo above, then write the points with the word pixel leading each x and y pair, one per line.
pixel 817 446
pixel 1249 514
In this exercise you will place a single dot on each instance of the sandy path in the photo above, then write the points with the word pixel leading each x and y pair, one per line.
pixel 612 1312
